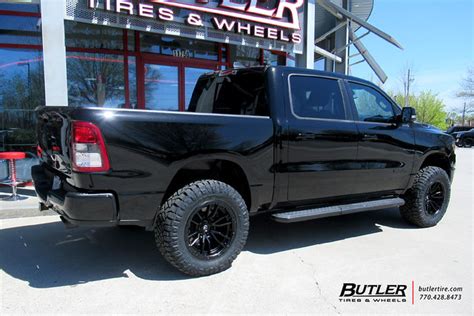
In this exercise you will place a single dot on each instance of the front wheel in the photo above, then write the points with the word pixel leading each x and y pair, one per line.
pixel 427 200
pixel 202 227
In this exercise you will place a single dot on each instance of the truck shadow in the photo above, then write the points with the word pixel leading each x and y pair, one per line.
pixel 49 255
pixel 267 236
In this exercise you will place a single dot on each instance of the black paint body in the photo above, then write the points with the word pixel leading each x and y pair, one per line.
pixel 280 161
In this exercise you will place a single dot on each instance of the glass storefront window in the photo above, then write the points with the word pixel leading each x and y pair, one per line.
pixel 244 56
pixel 273 59
pixel 161 87
pixel 20 7
pixel 191 76
pixel 95 80
pixel 131 40
pixel 93 36
pixel 20 30
pixel 132 81
pixel 178 46
pixel 21 91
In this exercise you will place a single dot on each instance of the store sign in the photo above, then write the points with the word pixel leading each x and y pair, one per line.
pixel 267 24
pixel 280 22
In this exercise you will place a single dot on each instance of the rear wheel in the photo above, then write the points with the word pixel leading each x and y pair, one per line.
pixel 427 200
pixel 202 227
pixel 467 143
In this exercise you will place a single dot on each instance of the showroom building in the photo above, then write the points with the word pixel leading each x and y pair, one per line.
pixel 148 54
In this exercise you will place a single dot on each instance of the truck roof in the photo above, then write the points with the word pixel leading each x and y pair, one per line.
pixel 295 70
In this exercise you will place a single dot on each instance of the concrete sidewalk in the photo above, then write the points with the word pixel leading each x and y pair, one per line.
pixel 284 268
pixel 23 208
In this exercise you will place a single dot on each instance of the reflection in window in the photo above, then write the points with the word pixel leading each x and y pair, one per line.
pixel 92 36
pixel 20 7
pixel 371 105
pixel 132 81
pixel 273 59
pixel 20 30
pixel 178 46
pixel 245 56
pixel 161 87
pixel 95 80
pixel 191 76
pixel 21 91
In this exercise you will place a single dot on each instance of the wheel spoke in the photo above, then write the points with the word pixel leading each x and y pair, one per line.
pixel 194 241
pixel 199 215
pixel 212 213
pixel 221 225
pixel 218 241
pixel 220 234
pixel 217 221
pixel 209 230
pixel 202 244
pixel 192 234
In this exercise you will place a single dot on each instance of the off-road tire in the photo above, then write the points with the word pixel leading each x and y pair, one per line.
pixel 415 210
pixel 172 219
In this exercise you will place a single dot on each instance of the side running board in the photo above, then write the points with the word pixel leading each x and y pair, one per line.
pixel 304 215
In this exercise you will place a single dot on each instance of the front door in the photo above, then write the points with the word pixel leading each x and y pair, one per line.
pixel 386 150
pixel 322 140
pixel 167 83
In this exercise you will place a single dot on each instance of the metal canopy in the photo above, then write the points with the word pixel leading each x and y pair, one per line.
pixel 352 22
pixel 368 57
pixel 340 12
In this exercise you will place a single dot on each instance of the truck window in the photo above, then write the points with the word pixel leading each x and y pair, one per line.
pixel 371 105
pixel 315 97
pixel 235 92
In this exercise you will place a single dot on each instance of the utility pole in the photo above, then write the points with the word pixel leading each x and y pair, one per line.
pixel 463 114
pixel 407 84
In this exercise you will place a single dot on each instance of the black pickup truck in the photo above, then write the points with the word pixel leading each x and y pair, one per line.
pixel 299 144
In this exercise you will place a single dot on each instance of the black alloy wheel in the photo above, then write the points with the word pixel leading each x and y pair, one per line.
pixel 427 200
pixel 202 227
pixel 434 199
pixel 210 230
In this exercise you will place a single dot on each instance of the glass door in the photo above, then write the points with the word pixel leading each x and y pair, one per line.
pixel 167 83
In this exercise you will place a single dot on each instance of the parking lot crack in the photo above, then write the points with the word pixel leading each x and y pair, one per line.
pixel 315 280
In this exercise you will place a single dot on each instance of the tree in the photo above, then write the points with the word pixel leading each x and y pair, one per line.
pixel 466 92
pixel 429 108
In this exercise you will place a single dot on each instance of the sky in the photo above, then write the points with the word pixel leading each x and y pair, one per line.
pixel 437 37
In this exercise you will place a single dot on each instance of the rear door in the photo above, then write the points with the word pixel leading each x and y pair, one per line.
pixel 386 148
pixel 322 139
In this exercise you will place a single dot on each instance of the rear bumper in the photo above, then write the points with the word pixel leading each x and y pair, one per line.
pixel 77 208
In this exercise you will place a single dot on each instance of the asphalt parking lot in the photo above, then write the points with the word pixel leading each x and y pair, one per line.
pixel 297 268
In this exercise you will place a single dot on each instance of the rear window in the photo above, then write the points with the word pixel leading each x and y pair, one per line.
pixel 238 92
pixel 316 97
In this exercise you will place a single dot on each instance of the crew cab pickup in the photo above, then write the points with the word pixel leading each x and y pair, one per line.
pixel 298 144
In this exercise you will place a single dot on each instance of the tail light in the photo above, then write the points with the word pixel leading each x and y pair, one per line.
pixel 88 148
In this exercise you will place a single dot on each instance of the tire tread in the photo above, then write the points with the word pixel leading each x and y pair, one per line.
pixel 170 217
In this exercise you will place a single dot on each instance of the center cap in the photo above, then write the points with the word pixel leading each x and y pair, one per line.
pixel 205 228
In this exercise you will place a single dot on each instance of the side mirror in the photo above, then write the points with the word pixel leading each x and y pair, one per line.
pixel 408 115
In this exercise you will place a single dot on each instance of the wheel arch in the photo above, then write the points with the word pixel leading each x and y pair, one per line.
pixel 437 159
pixel 224 170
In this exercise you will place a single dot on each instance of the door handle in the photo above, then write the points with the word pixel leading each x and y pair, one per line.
pixel 370 137
pixel 305 136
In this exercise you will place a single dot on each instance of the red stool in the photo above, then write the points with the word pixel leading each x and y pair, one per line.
pixel 12 157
